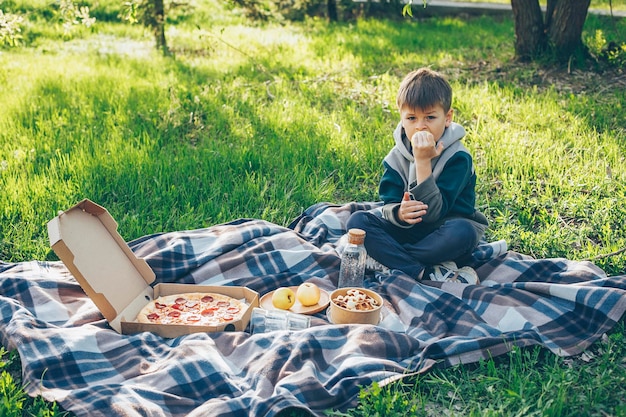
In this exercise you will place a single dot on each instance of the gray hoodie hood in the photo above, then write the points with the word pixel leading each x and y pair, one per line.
pixel 400 158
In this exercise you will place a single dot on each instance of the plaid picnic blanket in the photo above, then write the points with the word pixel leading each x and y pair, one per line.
pixel 70 355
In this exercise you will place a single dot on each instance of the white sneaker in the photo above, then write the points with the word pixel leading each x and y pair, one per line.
pixel 449 272
pixel 372 264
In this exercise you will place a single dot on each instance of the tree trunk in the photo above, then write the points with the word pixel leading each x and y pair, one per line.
pixel 566 28
pixel 332 10
pixel 551 4
pixel 159 26
pixel 530 35
pixel 559 37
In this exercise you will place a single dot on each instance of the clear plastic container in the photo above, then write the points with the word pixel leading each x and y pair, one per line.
pixel 263 321
pixel 353 258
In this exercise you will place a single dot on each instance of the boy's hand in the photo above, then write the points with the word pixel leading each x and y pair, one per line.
pixel 411 211
pixel 424 146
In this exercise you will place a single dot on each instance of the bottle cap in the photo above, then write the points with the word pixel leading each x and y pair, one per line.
pixel 356 236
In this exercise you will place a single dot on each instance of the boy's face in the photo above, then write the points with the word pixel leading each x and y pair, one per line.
pixel 433 120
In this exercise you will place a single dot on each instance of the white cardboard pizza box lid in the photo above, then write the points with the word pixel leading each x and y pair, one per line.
pixel 85 238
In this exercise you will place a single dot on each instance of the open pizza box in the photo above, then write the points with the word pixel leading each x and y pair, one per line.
pixel 85 238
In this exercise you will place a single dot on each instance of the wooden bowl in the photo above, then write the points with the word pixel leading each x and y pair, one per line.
pixel 342 315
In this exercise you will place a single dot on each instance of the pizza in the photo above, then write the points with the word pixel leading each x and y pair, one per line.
pixel 197 309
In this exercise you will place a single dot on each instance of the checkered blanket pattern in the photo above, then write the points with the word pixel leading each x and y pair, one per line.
pixel 70 355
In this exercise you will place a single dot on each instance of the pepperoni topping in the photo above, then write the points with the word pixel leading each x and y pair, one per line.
pixel 208 312
pixel 227 317
pixel 207 299
pixel 191 304
pixel 177 306
pixel 152 316
pixel 160 306
pixel 173 313
pixel 233 310
pixel 194 318
pixel 180 300
pixel 223 303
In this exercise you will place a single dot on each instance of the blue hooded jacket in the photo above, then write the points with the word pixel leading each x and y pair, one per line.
pixel 449 192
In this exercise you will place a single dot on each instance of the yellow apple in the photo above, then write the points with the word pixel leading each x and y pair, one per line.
pixel 283 298
pixel 308 294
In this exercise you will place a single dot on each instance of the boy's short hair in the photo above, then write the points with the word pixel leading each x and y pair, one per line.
pixel 423 89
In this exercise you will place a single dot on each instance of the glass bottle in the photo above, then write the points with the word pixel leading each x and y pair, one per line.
pixel 353 259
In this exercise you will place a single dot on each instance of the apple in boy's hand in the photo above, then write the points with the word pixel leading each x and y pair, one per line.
pixel 308 294
pixel 283 298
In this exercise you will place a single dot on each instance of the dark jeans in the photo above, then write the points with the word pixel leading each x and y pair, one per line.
pixel 411 250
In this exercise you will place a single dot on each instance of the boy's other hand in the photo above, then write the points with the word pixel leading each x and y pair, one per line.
pixel 411 211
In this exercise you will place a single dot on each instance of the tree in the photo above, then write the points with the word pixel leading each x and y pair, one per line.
pixel 559 36
pixel 331 6
pixel 151 13
pixel 157 23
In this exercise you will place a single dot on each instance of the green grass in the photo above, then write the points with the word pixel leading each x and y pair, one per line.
pixel 264 120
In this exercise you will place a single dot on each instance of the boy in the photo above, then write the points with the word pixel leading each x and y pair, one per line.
pixel 429 219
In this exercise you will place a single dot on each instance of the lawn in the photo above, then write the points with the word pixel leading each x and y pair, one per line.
pixel 254 119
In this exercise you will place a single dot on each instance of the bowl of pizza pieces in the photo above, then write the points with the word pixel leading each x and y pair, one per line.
pixel 354 306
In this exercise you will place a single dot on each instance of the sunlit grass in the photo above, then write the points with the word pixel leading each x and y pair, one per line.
pixel 264 120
